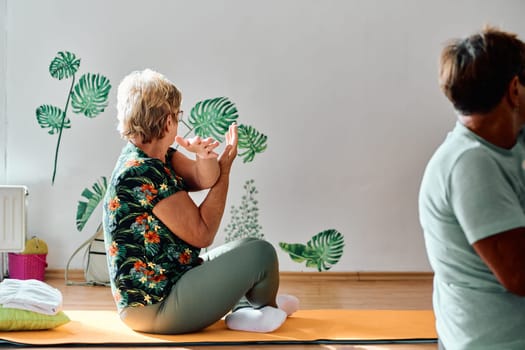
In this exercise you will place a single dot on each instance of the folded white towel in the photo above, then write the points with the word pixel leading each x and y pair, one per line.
pixel 31 295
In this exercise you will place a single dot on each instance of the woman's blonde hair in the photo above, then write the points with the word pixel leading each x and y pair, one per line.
pixel 145 99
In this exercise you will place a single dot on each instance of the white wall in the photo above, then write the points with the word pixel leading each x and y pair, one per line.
pixel 3 67
pixel 345 90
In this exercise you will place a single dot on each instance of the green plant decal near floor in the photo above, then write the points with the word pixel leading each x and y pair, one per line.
pixel 89 96
pixel 244 220
pixel 208 118
pixel 322 252
pixel 94 197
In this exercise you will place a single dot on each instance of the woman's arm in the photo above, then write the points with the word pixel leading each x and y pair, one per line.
pixel 504 254
pixel 201 173
pixel 198 225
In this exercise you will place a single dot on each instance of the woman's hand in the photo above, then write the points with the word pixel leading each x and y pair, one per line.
pixel 230 151
pixel 204 149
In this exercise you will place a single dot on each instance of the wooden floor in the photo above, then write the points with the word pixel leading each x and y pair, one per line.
pixel 314 293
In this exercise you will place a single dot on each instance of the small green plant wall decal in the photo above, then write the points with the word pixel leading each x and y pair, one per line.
pixel 208 118
pixel 322 252
pixel 245 219
pixel 89 96
pixel 93 196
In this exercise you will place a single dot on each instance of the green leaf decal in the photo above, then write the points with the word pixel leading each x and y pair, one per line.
pixel 94 197
pixel 251 142
pixel 64 65
pixel 297 251
pixel 328 246
pixel 212 118
pixel 244 220
pixel 49 116
pixel 90 95
pixel 322 252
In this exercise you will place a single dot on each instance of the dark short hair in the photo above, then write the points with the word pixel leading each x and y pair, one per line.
pixel 475 72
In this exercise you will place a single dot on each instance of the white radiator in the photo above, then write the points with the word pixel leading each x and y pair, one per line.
pixel 13 224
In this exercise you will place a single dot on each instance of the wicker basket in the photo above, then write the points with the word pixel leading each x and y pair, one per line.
pixel 27 266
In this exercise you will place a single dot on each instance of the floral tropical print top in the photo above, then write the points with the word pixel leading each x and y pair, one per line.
pixel 145 258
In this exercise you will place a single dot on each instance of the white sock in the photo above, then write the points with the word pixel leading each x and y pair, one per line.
pixel 288 303
pixel 266 319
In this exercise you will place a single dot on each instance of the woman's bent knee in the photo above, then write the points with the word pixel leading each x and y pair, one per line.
pixel 263 250
pixel 141 319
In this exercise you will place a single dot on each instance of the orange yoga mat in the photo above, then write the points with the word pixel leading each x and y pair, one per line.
pixel 102 328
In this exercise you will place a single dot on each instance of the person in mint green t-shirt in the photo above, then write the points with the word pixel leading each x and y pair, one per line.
pixel 472 196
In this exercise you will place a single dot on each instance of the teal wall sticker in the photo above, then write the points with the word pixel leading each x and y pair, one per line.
pixel 89 96
pixel 212 118
pixel 93 196
pixel 322 252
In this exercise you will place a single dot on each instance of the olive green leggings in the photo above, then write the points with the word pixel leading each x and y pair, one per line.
pixel 238 274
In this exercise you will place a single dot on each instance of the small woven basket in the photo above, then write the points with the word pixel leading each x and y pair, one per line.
pixel 27 266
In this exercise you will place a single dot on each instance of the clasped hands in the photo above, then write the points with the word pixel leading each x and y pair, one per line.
pixel 205 148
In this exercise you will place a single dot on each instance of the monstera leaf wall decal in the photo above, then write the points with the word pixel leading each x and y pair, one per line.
pixel 322 252
pixel 94 197
pixel 88 97
pixel 212 118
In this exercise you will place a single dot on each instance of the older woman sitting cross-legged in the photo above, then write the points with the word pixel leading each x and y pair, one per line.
pixel 154 231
